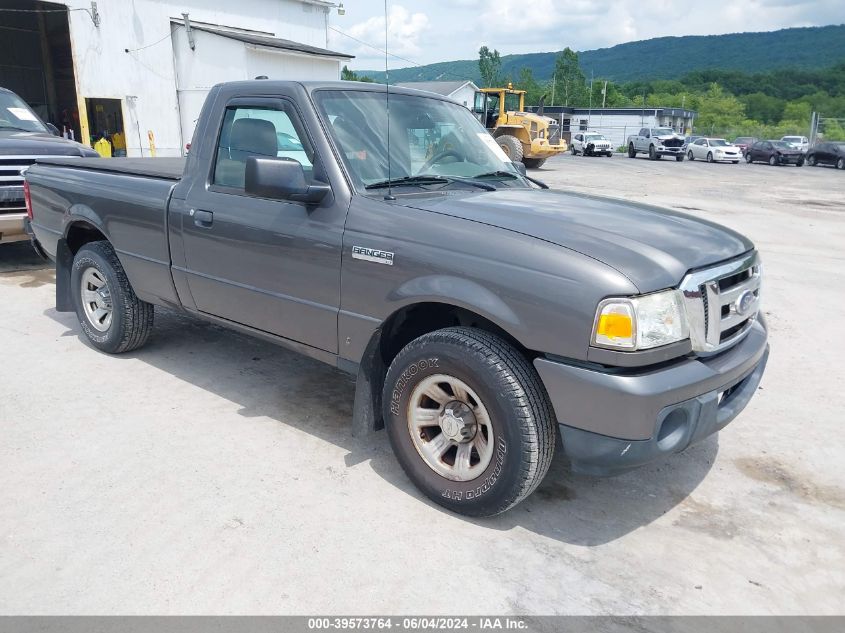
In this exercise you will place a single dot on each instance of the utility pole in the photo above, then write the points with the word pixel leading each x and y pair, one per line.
pixel 590 107
pixel 554 81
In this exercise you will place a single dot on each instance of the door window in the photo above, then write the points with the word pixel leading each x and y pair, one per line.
pixel 259 131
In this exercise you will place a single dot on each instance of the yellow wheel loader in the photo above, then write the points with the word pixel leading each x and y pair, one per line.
pixel 523 136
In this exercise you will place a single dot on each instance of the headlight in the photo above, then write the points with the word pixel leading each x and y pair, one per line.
pixel 640 322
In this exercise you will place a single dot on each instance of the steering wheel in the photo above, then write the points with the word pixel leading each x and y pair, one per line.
pixel 440 156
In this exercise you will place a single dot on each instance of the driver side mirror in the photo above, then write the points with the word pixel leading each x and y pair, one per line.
pixel 520 167
pixel 281 179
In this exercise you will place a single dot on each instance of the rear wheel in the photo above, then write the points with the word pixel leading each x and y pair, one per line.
pixel 748 158
pixel 511 147
pixel 632 153
pixel 112 317
pixel 533 163
pixel 469 420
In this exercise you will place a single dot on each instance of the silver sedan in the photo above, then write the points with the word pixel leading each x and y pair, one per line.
pixel 714 150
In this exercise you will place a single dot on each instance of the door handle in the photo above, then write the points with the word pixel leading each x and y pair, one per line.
pixel 203 219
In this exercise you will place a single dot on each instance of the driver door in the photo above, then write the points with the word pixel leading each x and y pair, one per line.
pixel 272 265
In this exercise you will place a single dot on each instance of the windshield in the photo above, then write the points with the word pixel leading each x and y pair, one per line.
pixel 511 102
pixel 662 131
pixel 744 139
pixel 427 137
pixel 718 142
pixel 781 145
pixel 792 139
pixel 16 115
pixel 595 137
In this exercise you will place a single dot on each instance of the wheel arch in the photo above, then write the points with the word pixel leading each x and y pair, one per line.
pixel 413 319
pixel 81 229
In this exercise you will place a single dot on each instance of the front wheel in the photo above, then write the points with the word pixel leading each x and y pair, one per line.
pixel 533 163
pixel 773 161
pixel 748 158
pixel 709 157
pixel 811 160
pixel 840 164
pixel 800 162
pixel 690 155
pixel 573 150
pixel 652 153
pixel 609 154
pixel 680 158
pixel 112 317
pixel 632 153
pixel 469 420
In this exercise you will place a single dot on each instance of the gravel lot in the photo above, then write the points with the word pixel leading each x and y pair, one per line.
pixel 210 473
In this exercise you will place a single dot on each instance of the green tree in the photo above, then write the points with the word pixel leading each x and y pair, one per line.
pixel 718 111
pixel 350 75
pixel 762 107
pixel 489 65
pixel 570 85
pixel 533 89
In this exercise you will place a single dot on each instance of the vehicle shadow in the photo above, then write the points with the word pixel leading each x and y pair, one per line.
pixel 268 381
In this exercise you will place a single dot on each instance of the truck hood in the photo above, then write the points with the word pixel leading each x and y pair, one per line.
pixel 15 143
pixel 652 247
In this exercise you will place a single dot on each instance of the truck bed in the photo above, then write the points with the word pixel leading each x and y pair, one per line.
pixel 166 168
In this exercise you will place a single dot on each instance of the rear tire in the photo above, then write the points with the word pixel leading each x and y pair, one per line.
pixel 511 147
pixel 112 317
pixel 483 440
pixel 533 163
pixel 748 158
pixel 632 153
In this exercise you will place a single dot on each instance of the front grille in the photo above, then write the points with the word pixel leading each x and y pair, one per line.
pixel 722 302
pixel 673 142
pixel 11 182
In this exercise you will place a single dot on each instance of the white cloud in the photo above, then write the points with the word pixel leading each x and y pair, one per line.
pixel 404 32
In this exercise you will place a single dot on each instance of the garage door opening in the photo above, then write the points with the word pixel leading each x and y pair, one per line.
pixel 36 61
pixel 105 122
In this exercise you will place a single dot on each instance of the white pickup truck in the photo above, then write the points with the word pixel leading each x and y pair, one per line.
pixel 656 142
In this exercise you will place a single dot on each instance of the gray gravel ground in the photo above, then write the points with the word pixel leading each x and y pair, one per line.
pixel 210 473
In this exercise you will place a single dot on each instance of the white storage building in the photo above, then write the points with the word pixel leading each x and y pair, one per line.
pixel 142 68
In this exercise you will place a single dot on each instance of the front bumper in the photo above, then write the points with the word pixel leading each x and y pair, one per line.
pixel 12 228
pixel 541 148
pixel 611 422
pixel 669 151
pixel 790 159
pixel 727 157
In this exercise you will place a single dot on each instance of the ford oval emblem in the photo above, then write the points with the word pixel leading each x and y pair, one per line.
pixel 743 303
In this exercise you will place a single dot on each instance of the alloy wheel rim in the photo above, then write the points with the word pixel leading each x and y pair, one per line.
pixel 450 428
pixel 96 299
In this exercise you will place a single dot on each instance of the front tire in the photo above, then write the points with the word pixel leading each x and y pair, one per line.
pixel 840 164
pixel 652 153
pixel 533 163
pixel 709 157
pixel 679 158
pixel 811 160
pixel 511 147
pixel 469 420
pixel 690 155
pixel 632 153
pixel 773 161
pixel 112 317
pixel 748 158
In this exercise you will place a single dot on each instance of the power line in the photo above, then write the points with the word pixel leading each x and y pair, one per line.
pixel 135 50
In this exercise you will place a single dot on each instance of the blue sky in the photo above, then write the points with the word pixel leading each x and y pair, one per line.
pixel 428 31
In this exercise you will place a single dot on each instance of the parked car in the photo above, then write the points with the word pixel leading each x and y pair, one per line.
pixel 774 153
pixel 714 150
pixel 656 142
pixel 23 138
pixel 591 144
pixel 797 142
pixel 744 142
pixel 690 139
pixel 829 153
pixel 481 315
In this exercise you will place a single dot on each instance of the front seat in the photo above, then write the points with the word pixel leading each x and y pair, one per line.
pixel 247 137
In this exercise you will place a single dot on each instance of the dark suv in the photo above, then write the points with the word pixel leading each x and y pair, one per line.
pixel 827 154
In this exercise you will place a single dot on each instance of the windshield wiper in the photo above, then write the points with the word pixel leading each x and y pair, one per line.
pixel 510 174
pixel 428 179
pixel 14 127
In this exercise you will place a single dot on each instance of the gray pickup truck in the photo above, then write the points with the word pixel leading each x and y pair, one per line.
pixel 483 316
pixel 657 142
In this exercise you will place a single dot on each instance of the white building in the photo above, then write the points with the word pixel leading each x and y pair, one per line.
pixel 143 67
pixel 461 91
pixel 619 123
